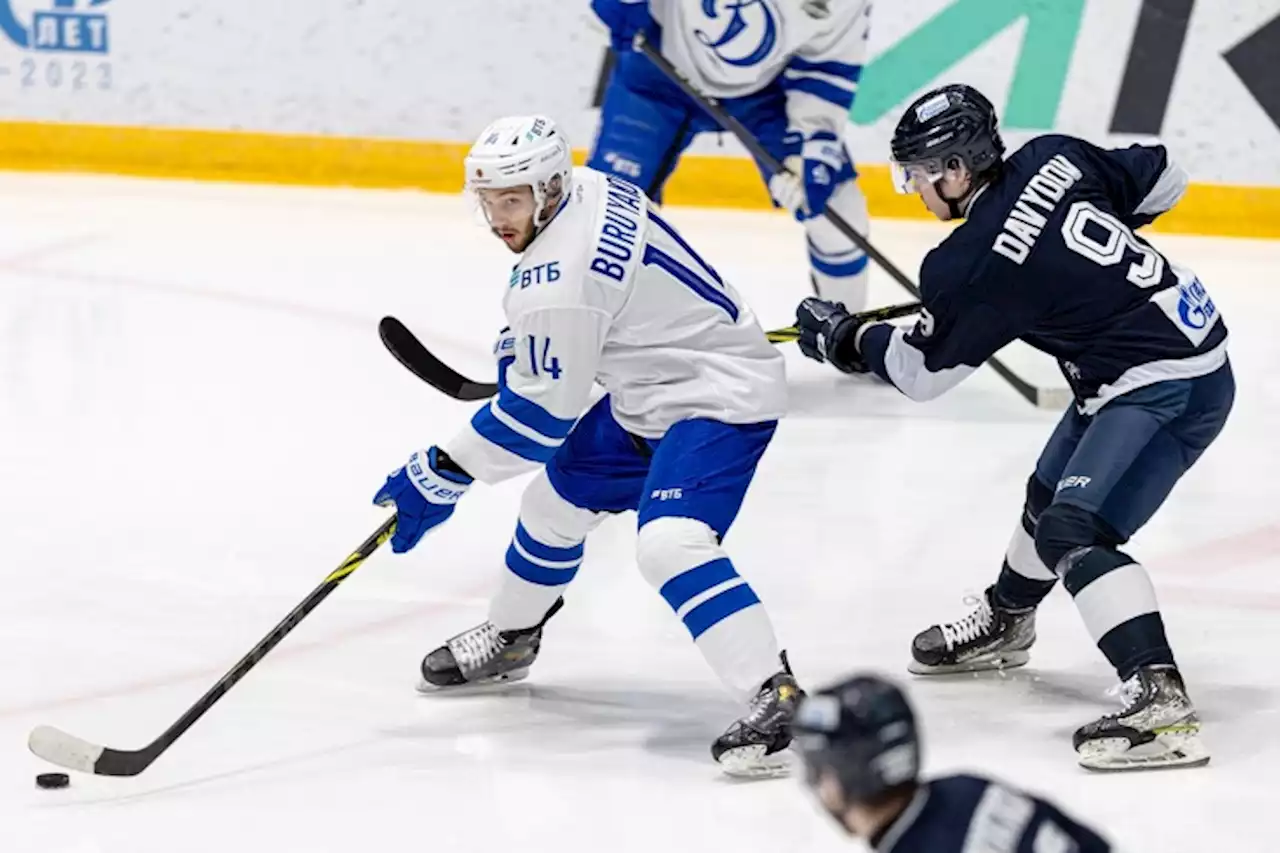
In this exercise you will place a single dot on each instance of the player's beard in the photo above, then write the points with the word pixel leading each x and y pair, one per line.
pixel 519 238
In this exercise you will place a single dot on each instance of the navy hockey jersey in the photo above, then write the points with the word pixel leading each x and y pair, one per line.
pixel 966 814
pixel 1048 254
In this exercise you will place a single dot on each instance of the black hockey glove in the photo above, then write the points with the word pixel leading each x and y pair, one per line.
pixel 827 332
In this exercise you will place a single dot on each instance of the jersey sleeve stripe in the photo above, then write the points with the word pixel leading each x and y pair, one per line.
pixel 493 430
pixel 843 70
pixel 515 426
pixel 820 89
pixel 534 548
pixel 1168 190
pixel 654 255
pixel 675 235
pixel 833 81
pixel 533 416
pixel 904 366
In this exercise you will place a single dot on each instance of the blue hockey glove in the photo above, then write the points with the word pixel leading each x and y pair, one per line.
pixel 811 176
pixel 828 332
pixel 504 350
pixel 624 19
pixel 424 492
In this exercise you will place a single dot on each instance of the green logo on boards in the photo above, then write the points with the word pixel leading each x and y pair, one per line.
pixel 1049 39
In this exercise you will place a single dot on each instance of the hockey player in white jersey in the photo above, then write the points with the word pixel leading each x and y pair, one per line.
pixel 607 291
pixel 787 69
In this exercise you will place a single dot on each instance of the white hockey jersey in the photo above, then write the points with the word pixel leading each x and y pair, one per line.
pixel 732 49
pixel 609 292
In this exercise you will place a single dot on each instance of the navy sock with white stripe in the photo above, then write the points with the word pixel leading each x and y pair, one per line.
pixel 1024 579
pixel 1118 604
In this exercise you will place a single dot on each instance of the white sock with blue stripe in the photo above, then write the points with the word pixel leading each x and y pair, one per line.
pixel 839 267
pixel 543 557
pixel 682 560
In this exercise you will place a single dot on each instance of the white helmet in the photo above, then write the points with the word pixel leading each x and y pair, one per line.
pixel 523 150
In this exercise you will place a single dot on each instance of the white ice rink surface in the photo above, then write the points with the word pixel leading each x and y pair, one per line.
pixel 196 412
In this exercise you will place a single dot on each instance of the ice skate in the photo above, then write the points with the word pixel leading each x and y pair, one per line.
pixel 753 746
pixel 1157 727
pixel 484 655
pixel 991 637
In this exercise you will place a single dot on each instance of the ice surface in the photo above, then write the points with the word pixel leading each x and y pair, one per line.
pixel 196 412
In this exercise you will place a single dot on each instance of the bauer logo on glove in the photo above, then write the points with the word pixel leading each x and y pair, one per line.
pixel 424 492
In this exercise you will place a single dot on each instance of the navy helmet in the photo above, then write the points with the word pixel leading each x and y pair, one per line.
pixel 953 124
pixel 862 730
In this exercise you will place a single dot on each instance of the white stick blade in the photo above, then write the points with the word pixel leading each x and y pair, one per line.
pixel 62 749
pixel 1054 399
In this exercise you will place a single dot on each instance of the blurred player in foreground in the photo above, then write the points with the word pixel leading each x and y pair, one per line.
pixel 605 290
pixel 861 752
pixel 1048 254
pixel 786 69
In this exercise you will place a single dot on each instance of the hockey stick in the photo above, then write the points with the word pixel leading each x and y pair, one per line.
pixel 876 315
pixel 1050 398
pixel 409 351
pixel 422 363
pixel 71 752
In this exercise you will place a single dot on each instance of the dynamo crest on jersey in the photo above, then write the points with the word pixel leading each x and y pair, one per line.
pixel 741 33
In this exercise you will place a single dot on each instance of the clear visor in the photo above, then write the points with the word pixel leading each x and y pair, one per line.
pixel 911 177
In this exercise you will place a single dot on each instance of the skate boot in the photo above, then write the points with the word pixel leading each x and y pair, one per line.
pixel 1157 727
pixel 991 637
pixel 753 745
pixel 484 655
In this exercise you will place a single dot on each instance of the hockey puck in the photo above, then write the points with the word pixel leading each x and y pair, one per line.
pixel 53 780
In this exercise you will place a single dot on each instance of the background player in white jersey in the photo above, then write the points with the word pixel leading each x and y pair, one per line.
pixel 606 291
pixel 787 69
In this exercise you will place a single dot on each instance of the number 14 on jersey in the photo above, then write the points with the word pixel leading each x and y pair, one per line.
pixel 548 364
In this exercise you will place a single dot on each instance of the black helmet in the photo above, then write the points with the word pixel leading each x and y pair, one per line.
pixel 950 123
pixel 864 731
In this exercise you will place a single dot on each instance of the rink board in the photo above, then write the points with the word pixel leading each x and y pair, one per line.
pixel 700 180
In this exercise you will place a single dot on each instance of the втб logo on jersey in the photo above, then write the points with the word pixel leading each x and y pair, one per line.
pixel 63 28
pixel 750 35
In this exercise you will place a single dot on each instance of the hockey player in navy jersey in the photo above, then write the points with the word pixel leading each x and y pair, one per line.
pixel 787 69
pixel 1048 254
pixel 861 751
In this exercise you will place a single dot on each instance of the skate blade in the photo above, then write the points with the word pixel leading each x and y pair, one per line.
pixel 1170 750
pixel 750 762
pixel 469 688
pixel 984 663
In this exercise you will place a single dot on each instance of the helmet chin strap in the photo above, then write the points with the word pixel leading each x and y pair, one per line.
pixel 957 205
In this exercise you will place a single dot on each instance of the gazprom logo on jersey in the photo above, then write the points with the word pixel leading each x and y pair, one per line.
pixel 1195 309
pixel 740 32
pixel 56 25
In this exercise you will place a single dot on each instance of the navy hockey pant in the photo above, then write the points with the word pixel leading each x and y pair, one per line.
pixel 1121 463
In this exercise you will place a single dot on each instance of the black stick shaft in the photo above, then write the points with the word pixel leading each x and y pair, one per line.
pixel 875 315
pixel 731 124
pixel 722 117
pixel 118 763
